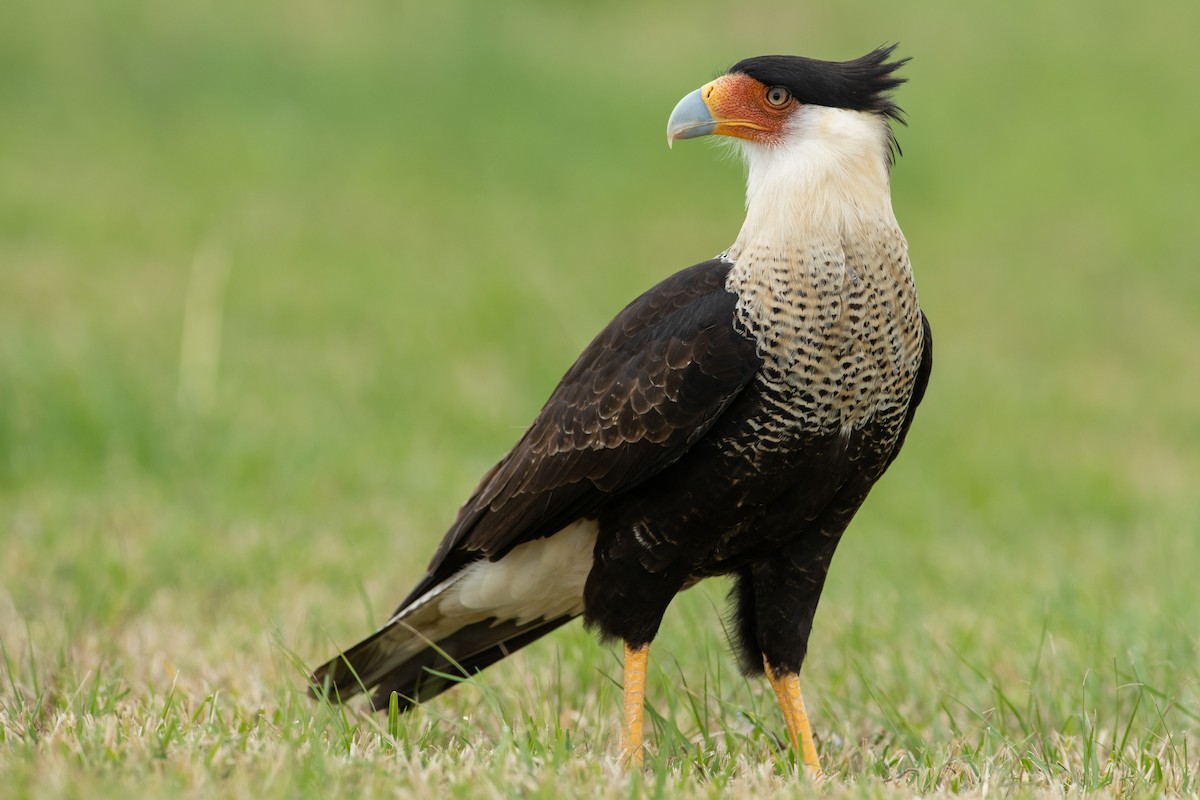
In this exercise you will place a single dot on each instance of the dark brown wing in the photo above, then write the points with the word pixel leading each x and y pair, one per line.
pixel 645 389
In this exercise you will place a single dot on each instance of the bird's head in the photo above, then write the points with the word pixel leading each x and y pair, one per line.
pixel 767 100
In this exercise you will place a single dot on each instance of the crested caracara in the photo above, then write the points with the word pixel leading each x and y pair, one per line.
pixel 729 421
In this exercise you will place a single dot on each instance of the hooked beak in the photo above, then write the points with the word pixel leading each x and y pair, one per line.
pixel 691 118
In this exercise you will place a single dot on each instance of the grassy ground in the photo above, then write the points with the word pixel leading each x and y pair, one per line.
pixel 278 281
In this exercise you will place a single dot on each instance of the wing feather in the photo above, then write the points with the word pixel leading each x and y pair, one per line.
pixel 643 392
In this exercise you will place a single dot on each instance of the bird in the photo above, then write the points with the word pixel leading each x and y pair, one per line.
pixel 729 421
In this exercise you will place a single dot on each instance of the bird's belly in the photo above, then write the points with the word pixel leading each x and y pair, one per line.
pixel 707 506
pixel 757 483
pixel 761 479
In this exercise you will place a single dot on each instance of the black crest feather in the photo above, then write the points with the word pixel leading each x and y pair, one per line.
pixel 864 84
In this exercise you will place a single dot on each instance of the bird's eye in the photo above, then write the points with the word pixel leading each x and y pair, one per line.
pixel 778 96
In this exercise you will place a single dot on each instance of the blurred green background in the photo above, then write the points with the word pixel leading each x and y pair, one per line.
pixel 280 280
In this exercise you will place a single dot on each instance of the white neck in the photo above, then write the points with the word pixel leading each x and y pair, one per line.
pixel 829 176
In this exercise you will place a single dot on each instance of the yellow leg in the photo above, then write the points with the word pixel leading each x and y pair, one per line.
pixel 787 689
pixel 635 698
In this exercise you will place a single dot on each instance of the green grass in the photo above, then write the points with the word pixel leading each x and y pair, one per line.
pixel 389 227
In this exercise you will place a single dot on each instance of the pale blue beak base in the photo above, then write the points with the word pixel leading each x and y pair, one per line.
pixel 691 118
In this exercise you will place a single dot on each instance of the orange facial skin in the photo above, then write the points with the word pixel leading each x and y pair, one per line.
pixel 740 106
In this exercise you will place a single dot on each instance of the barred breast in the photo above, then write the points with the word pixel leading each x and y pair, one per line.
pixel 838 327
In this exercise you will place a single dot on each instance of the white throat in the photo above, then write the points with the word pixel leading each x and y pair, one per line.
pixel 829 176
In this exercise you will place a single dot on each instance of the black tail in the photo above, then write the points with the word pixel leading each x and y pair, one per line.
pixel 398 659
